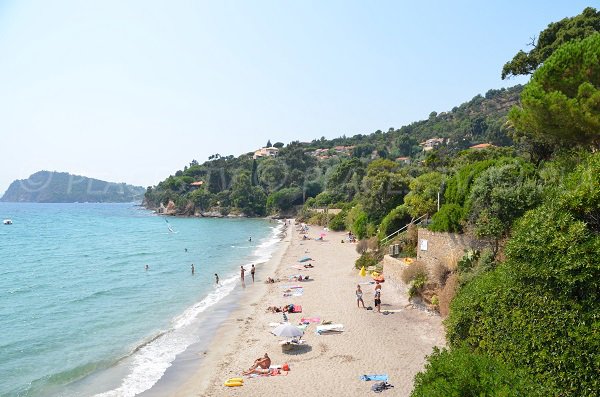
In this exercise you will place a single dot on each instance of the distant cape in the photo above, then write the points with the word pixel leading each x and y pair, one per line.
pixel 62 187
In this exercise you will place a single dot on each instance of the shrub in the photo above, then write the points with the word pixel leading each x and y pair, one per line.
pixel 414 270
pixel 394 220
pixel 338 222
pixel 448 293
pixel 459 372
pixel 447 219
pixel 362 246
pixel 439 274
pixel 367 259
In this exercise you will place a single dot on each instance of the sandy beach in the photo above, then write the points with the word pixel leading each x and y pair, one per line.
pixel 326 365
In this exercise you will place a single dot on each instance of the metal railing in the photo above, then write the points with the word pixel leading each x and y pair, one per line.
pixel 413 222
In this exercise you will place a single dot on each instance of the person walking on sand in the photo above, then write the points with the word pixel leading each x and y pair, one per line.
pixel 252 271
pixel 216 279
pixel 193 270
pixel 359 298
pixel 378 296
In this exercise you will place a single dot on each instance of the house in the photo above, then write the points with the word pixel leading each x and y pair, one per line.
pixel 197 183
pixel 431 144
pixel 266 152
pixel 482 146
pixel 403 160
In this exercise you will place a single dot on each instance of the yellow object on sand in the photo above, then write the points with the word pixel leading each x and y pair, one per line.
pixel 229 383
pixel 362 272
pixel 236 380
pixel 374 274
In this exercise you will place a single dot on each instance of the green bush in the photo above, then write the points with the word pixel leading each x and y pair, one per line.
pixel 539 309
pixel 458 372
pixel 338 222
pixel 393 221
pixel 367 259
pixel 447 219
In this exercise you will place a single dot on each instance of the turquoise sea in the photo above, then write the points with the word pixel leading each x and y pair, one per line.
pixel 81 316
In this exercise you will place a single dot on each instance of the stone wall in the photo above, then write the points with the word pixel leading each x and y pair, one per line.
pixel 444 248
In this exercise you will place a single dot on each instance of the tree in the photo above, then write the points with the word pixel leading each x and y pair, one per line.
pixel 284 199
pixel 249 199
pixel 550 39
pixel 561 103
pixel 423 195
pixel 272 174
pixel 383 189
pixel 269 143
pixel 278 145
pixel 344 180
pixel 500 195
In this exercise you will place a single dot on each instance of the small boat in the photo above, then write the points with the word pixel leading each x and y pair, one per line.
pixel 7 222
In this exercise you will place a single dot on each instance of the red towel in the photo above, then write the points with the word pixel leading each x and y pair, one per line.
pixel 297 309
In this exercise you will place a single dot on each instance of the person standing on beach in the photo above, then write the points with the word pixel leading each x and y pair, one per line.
pixel 359 298
pixel 216 278
pixel 378 296
pixel 193 270
pixel 252 271
pixel 242 271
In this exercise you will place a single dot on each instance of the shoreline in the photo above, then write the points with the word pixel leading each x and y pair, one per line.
pixel 229 329
pixel 372 343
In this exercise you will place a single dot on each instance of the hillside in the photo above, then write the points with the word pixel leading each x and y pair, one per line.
pixel 62 187
pixel 300 170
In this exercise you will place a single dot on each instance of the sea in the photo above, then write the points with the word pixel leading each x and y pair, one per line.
pixel 82 315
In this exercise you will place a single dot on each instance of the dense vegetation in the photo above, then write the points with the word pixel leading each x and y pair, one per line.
pixel 523 316
pixel 340 169
pixel 534 317
pixel 61 187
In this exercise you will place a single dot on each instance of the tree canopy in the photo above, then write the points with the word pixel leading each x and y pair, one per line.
pixel 550 39
pixel 561 103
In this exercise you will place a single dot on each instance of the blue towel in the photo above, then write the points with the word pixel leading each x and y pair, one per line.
pixel 383 378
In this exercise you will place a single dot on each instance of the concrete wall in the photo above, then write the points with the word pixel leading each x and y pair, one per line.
pixel 445 248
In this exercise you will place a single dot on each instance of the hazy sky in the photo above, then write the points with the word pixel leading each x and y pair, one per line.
pixel 131 91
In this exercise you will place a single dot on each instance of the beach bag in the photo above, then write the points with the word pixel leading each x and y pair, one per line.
pixel 285 367
pixel 380 386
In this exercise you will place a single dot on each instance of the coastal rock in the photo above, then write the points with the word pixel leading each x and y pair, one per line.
pixel 212 214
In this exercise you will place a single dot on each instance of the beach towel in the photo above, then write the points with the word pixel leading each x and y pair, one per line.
pixel 305 259
pixel 330 328
pixel 310 320
pixel 382 377
pixel 297 309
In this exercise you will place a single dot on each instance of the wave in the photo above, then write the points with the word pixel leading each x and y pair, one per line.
pixel 150 359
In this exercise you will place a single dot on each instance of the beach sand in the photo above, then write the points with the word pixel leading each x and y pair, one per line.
pixel 328 365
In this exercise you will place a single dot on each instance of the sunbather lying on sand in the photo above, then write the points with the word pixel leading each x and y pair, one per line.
pixel 300 278
pixel 261 363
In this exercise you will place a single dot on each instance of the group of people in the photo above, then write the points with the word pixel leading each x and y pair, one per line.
pixel 377 294
pixel 243 272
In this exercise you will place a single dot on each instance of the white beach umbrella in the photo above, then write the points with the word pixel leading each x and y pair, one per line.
pixel 287 330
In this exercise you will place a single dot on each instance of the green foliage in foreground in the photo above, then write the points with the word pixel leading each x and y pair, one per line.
pixel 461 373
pixel 539 310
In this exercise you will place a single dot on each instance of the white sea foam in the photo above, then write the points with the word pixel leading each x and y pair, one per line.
pixel 149 362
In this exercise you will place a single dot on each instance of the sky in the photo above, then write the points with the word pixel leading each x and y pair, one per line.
pixel 132 91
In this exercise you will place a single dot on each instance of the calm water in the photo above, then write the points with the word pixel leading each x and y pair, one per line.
pixel 80 315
